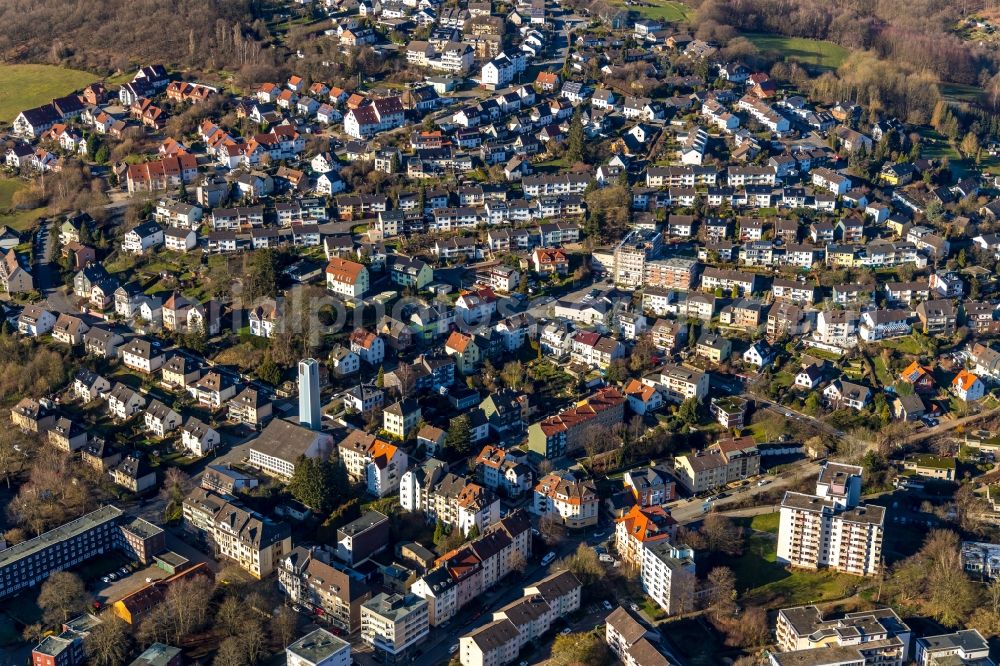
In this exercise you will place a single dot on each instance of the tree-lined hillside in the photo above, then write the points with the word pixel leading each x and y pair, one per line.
pixel 118 34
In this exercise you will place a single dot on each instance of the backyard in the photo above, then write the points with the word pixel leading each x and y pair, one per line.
pixel 26 86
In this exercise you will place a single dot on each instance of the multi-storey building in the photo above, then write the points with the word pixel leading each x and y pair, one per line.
pixel 640 527
pixel 573 501
pixel 564 433
pixel 99 532
pixel 313 578
pixel 254 542
pixel 678 382
pixel 723 462
pixel 873 637
pixel 521 622
pixel 319 648
pixel 631 641
pixel 463 574
pixel 452 499
pixel 376 463
pixel 966 646
pixel 667 575
pixel 832 529
pixel 393 624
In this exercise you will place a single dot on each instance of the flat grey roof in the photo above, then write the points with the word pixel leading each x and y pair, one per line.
pixel 317 645
pixel 59 534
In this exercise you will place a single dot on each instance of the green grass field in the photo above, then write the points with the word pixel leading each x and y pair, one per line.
pixel 18 220
pixel 816 52
pixel 767 522
pixel 8 187
pixel 26 86
pixel 672 11
pixel 666 10
pixel 767 582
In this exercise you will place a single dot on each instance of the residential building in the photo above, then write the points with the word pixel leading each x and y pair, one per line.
pixel 252 541
pixel 832 529
pixel 30 562
pixel 565 432
pixel 393 624
pixel 319 648
pixel 313 578
pixel 966 646
pixel 667 575
pixel 574 502
pixel 723 462
pixel 866 637
pixel 362 538
pixel 377 464
pixel 631 641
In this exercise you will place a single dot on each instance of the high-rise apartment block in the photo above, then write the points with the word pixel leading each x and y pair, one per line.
pixel 832 529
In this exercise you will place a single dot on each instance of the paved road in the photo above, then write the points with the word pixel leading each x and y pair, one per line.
pixel 691 510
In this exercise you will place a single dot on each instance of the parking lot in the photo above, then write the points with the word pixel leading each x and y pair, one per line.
pixel 107 590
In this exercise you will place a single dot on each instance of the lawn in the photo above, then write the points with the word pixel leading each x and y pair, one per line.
pixel 816 52
pixel 766 582
pixel 673 12
pixel 26 86
pixel 660 10
pixel 881 372
pixel 18 220
pixel 904 345
pixel 767 522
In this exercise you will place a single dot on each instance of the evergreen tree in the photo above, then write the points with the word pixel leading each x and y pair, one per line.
pixel 262 276
pixel 459 437
pixel 439 533
pixel 473 533
pixel 575 145
pixel 316 483
pixel 269 371
pixel 380 378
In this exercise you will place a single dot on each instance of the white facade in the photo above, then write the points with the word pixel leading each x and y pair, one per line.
pixel 832 529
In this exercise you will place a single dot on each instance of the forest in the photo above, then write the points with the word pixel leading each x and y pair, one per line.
pixel 116 35
pixel 915 33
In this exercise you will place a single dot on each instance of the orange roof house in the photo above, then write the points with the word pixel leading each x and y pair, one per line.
pixel 967 386
pixel 918 376
pixel 458 342
pixel 642 526
pixel 549 260
pixel 547 80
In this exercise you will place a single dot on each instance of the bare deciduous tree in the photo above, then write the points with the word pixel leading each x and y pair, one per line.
pixel 109 643
pixel 62 596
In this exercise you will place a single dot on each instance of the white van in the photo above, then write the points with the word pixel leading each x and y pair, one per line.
pixel 547 560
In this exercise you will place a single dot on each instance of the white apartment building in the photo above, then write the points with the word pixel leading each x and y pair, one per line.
pixel 376 463
pixel 678 383
pixel 832 529
pixel 521 622
pixel 667 575
pixel 319 648
pixel 432 490
pixel 393 624
pixel 876 637
pixel 837 327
